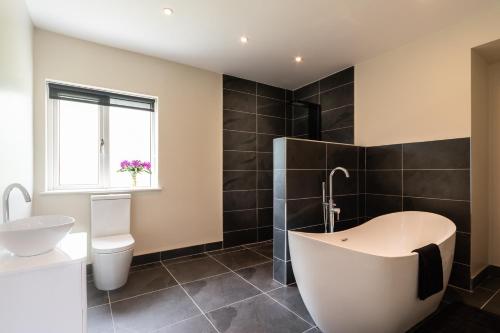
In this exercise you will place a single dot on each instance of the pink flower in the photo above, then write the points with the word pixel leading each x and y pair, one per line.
pixel 146 165
pixel 136 163
pixel 124 164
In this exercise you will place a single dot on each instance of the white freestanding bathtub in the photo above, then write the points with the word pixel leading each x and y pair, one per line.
pixel 365 279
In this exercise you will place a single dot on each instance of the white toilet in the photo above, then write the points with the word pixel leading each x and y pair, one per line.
pixel 112 243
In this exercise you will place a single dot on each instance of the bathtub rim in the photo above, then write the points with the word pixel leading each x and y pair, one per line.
pixel 314 236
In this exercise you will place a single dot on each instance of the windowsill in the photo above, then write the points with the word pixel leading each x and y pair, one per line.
pixel 104 190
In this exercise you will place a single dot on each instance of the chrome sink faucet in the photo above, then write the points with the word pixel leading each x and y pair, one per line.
pixel 333 211
pixel 5 198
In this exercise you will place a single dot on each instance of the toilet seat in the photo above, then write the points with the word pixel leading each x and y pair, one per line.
pixel 112 244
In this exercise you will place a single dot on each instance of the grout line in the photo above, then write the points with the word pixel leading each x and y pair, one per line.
pixel 111 312
pixel 256 94
pixel 489 299
pixel 192 300
pixel 143 294
pixel 177 322
pixel 336 129
pixel 251 113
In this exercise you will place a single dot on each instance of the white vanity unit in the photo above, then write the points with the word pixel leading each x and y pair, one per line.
pixel 46 293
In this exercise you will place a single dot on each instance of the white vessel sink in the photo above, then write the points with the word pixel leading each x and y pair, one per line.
pixel 34 235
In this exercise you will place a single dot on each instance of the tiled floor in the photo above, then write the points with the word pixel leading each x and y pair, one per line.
pixel 229 290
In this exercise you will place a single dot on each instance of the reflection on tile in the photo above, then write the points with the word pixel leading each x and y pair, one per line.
pixel 258 314
pixel 476 299
pixel 260 276
pixel 235 83
pixel 290 297
pixel 234 100
pixel 144 281
pixel 198 324
pixel 237 220
pixel 493 305
pixel 95 296
pixel 99 320
pixel 241 259
pixel 196 269
pixel 265 250
pixel 153 311
pixel 218 291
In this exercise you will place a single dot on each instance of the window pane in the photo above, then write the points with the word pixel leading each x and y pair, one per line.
pixel 129 139
pixel 78 143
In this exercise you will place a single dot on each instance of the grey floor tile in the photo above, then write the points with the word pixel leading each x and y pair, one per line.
pixel 493 305
pixel 95 296
pixel 241 259
pixel 218 291
pixel 153 311
pixel 491 283
pixel 99 320
pixel 313 330
pixel 196 269
pixel 154 277
pixel 144 266
pixel 290 297
pixel 475 299
pixel 258 314
pixel 198 324
pixel 168 262
pixel 265 250
pixel 260 276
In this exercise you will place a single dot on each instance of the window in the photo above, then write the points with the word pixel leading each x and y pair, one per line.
pixel 90 131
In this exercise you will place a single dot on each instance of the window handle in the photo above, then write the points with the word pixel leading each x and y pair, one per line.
pixel 102 145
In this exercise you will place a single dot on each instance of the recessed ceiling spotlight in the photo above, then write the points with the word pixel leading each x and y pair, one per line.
pixel 244 39
pixel 168 11
pixel 298 59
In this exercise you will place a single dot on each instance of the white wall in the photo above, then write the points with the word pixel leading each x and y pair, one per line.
pixel 494 109
pixel 188 211
pixel 16 112
pixel 479 164
pixel 421 91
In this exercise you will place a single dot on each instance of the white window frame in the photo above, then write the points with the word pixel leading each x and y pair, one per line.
pixel 52 147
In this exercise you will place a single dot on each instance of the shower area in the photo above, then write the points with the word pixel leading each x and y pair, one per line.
pixel 255 114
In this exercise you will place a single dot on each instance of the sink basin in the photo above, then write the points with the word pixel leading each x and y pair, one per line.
pixel 34 235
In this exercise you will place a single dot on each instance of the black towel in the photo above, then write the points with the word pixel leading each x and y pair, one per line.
pixel 430 271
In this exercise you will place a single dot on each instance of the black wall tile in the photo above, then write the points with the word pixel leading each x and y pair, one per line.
pixel 441 154
pixel 443 184
pixel 239 141
pixel 265 142
pixel 279 213
pixel 345 225
pixel 264 234
pixel 303 212
pixel 337 79
pixel 239 180
pixel 384 157
pixel 305 154
pixel 460 276
pixel 238 200
pixel 300 127
pixel 264 198
pixel 377 205
pixel 270 91
pixel 265 161
pixel 343 185
pixel 300 111
pixel 237 160
pixel 384 182
pixel 239 121
pixel 265 217
pixel 304 183
pixel 337 118
pixel 238 220
pixel 240 237
pixel 457 211
pixel 279 244
pixel 343 135
pixel 306 91
pixel 342 156
pixel 234 100
pixel 271 107
pixel 335 98
pixel 270 125
pixel 279 270
pixel 348 205
pixel 462 248
pixel 265 180
pixel 362 158
pixel 235 83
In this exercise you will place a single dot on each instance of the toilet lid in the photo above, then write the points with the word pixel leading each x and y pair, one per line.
pixel 112 244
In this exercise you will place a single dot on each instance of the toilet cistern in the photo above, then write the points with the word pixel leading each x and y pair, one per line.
pixel 5 198
pixel 332 209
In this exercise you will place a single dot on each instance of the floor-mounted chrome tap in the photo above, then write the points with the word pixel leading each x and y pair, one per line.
pixel 330 211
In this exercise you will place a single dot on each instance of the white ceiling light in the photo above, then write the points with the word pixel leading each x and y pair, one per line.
pixel 244 39
pixel 168 11
pixel 298 59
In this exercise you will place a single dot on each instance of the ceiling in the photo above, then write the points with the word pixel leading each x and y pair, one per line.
pixel 329 34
